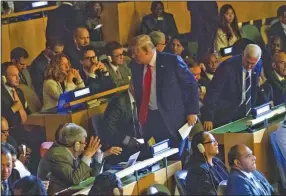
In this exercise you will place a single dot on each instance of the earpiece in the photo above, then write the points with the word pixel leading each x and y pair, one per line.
pixel 116 191
pixel 109 59
pixel 77 146
pixel 201 148
pixel 3 79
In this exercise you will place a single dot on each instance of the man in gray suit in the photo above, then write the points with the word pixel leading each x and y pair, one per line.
pixel 116 66
pixel 68 160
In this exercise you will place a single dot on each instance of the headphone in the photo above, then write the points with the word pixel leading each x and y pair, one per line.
pixel 76 146
pixel 201 148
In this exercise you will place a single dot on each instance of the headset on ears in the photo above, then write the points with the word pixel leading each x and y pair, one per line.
pixel 116 191
pixel 76 146
pixel 201 148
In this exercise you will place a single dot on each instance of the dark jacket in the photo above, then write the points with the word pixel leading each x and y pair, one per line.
pixel 198 181
pixel 124 72
pixel 239 184
pixel 277 30
pixel 167 25
pixel 224 95
pixel 37 70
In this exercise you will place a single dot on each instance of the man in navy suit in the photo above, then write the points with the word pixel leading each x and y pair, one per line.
pixel 166 92
pixel 244 179
pixel 232 91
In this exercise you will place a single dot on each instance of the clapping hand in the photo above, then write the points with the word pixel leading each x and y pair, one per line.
pixel 93 146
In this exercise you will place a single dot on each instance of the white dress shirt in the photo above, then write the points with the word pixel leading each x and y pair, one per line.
pixel 280 78
pixel 153 95
pixel 210 76
pixel 243 84
pixel 252 178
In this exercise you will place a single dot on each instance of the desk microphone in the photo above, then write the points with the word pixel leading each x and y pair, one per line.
pixel 202 150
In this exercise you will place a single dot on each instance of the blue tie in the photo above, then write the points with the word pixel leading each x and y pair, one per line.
pixel 5 189
pixel 247 93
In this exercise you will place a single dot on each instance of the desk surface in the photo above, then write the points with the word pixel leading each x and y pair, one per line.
pixel 240 125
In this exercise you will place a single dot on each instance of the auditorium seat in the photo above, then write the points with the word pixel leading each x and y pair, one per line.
pixel 193 49
pixel 264 30
pixel 31 97
pixel 252 33
pixel 180 178
pixel 156 189
pixel 281 164
pixel 221 187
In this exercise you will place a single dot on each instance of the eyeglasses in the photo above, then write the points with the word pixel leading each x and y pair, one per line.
pixel 90 58
pixel 85 143
pixel 210 142
pixel 5 131
pixel 118 55
pixel 162 44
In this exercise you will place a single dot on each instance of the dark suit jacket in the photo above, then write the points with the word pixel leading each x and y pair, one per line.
pixel 150 23
pixel 99 84
pixel 279 88
pixel 14 119
pixel 37 71
pixel 64 173
pixel 61 23
pixel 74 56
pixel 204 81
pixel 277 30
pixel 198 181
pixel 239 184
pixel 223 97
pixel 177 89
pixel 124 71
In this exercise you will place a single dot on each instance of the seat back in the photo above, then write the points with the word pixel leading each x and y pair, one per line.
pixel 31 97
pixel 221 187
pixel 252 33
pixel 180 178
pixel 264 33
pixel 156 189
pixel 193 49
pixel 280 160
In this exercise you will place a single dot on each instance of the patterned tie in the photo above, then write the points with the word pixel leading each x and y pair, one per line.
pixel 247 93
pixel 118 74
pixel 145 96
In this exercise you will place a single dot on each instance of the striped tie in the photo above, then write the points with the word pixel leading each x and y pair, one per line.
pixel 247 93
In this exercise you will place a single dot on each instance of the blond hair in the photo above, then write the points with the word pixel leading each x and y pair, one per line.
pixel 141 43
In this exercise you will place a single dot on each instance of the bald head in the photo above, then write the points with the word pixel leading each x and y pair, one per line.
pixel 4 129
pixel 81 37
pixel 279 63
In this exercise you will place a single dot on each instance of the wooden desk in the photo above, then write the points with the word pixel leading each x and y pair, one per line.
pixel 131 187
pixel 258 141
pixel 51 122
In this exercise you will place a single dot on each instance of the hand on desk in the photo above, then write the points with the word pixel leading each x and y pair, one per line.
pixel 93 146
pixel 208 125
pixel 114 150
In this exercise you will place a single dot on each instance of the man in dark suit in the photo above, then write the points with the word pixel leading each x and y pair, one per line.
pixel 277 77
pixel 169 97
pixel 279 28
pixel 74 50
pixel 232 91
pixel 62 22
pixel 6 170
pixel 13 104
pixel 211 64
pixel 117 68
pixel 204 23
pixel 93 72
pixel 67 166
pixel 53 46
pixel 159 20
pixel 244 179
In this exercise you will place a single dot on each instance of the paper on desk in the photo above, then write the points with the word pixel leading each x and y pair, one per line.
pixel 185 130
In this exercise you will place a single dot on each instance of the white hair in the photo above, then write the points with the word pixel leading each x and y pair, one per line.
pixel 252 50
pixel 157 37
pixel 71 133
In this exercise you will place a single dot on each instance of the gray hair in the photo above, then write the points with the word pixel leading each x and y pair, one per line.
pixel 141 43
pixel 156 37
pixel 71 133
pixel 252 50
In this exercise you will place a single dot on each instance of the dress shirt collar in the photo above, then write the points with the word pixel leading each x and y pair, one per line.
pixel 67 3
pixel 210 76
pixel 244 70
pixel 153 60
pixel 248 175
pixel 280 78
pixel 86 73
pixel 115 68
pixel 283 27
pixel 70 153
pixel 9 89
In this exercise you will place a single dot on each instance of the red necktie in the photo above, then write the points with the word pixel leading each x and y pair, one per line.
pixel 145 96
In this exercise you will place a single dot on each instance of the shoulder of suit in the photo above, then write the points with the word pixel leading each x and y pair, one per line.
pixel 147 17
pixel 168 14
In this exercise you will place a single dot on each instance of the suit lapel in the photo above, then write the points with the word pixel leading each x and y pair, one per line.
pixel 6 94
pixel 159 74
pixel 239 75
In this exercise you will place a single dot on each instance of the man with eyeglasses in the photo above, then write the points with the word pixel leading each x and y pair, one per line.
pixel 159 40
pixel 5 137
pixel 116 65
pixel 54 46
pixel 93 72
pixel 244 179
pixel 277 78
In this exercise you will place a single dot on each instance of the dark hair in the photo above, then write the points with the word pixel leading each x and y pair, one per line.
pixel 281 10
pixel 155 3
pixel 239 46
pixel 84 50
pixel 104 184
pixel 232 155
pixel 197 138
pixel 30 185
pixel 10 148
pixel 111 46
pixel 206 58
pixel 184 42
pixel 191 62
pixel 89 7
pixel 5 66
pixel 223 24
pixel 19 52
pixel 5 150
pixel 54 41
